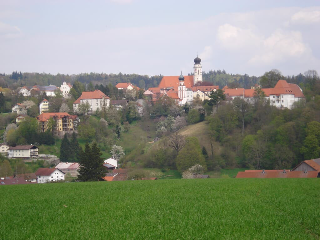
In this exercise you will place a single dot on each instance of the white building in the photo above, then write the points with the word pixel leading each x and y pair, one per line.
pixel 19 109
pixel 25 91
pixel 111 163
pixel 96 100
pixel 283 95
pixel 23 151
pixel 44 106
pixel 69 167
pixel 4 148
pixel 45 175
pixel 65 89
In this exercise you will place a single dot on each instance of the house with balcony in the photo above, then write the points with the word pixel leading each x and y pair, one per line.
pixel 61 122
pixel 23 151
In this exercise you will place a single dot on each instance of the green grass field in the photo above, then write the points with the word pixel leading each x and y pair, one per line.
pixel 167 209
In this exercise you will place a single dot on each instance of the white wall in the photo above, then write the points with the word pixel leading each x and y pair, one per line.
pixel 54 177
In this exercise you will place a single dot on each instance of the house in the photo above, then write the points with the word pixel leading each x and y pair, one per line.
pixel 21 118
pixel 45 175
pixel 111 163
pixel 23 151
pixel 50 90
pixel 183 89
pixel 4 149
pixel 308 165
pixel 95 99
pixel 44 106
pixel 65 89
pixel 69 167
pixel 25 91
pixel 64 122
pixel 277 174
pixel 125 86
pixel 19 109
pixel 283 95
pixel 119 104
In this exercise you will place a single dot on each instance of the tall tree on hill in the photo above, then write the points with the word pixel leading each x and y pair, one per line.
pixel 270 79
pixel 91 164
pixel 216 97
pixel 77 89
pixel 74 148
pixel 65 149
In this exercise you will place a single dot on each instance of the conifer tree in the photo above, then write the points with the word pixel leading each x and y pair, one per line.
pixel 91 164
pixel 65 149
pixel 74 148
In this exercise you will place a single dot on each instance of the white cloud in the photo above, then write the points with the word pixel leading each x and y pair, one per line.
pixel 306 17
pixel 8 31
pixel 279 47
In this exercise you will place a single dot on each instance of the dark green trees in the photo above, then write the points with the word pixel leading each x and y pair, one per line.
pixel 69 150
pixel 91 164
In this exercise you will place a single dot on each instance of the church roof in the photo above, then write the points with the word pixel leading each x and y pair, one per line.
pixel 173 81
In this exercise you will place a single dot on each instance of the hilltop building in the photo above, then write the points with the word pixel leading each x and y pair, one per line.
pixel 65 89
pixel 183 89
pixel 64 122
pixel 96 100
pixel 44 106
pixel 283 95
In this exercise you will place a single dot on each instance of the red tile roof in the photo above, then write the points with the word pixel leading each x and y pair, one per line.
pixel 22 147
pixel 312 163
pixel 172 94
pixel 204 88
pixel 46 171
pixel 123 85
pixel 15 180
pixel 97 94
pixel 278 174
pixel 43 117
pixel 108 178
pixel 173 81
pixel 282 87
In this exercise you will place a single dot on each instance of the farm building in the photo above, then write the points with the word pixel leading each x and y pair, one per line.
pixel 45 175
pixel 277 174
pixel 69 167
pixel 308 165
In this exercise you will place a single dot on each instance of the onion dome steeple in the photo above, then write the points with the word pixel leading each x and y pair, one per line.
pixel 197 60
pixel 181 78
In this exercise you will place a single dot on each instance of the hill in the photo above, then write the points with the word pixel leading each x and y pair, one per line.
pixel 202 132
pixel 163 209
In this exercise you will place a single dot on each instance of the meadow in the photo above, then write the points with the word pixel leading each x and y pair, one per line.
pixel 163 209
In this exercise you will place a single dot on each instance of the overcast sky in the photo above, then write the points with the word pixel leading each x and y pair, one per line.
pixel 152 37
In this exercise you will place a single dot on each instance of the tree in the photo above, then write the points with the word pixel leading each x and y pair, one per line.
pixel 193 116
pixel 310 148
pixel 176 142
pixel 190 155
pixel 77 89
pixel 241 106
pixel 5 169
pixel 117 152
pixel 74 148
pixel 64 108
pixel 65 149
pixel 91 164
pixel 270 79
pixel 216 97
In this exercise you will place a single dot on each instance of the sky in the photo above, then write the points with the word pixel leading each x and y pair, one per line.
pixel 152 37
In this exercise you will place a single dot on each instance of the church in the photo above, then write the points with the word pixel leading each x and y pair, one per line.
pixel 183 89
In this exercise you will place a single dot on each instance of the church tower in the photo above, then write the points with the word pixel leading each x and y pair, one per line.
pixel 181 87
pixel 197 76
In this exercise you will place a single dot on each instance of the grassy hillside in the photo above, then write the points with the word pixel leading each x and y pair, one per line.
pixel 167 209
pixel 201 131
